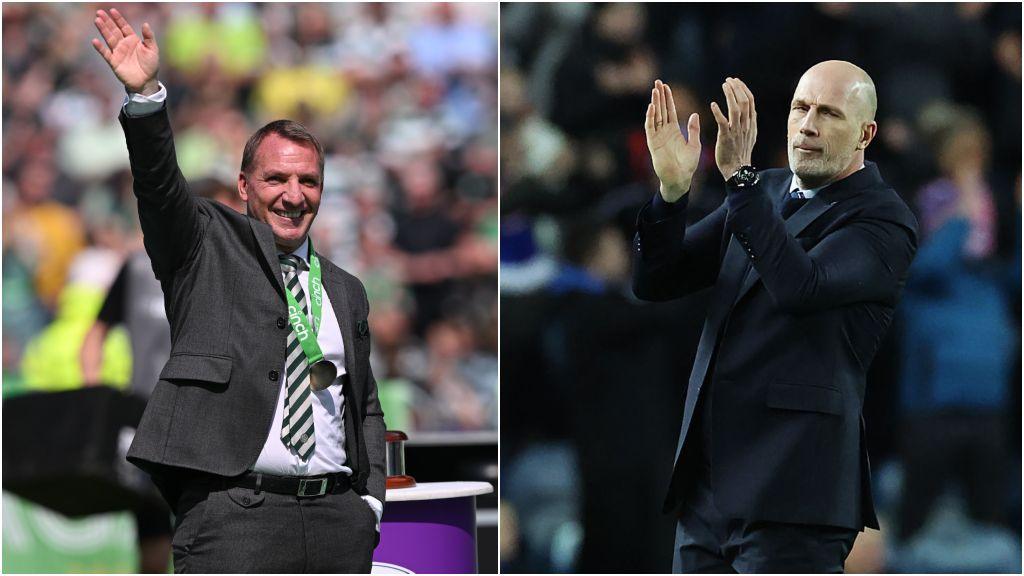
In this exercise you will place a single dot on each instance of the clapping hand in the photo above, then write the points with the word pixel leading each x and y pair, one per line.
pixel 737 133
pixel 134 61
pixel 675 158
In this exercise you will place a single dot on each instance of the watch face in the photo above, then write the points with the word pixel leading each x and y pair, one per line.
pixel 745 176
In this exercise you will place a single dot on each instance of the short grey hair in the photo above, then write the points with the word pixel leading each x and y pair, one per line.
pixel 289 130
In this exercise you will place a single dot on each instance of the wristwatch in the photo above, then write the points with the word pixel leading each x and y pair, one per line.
pixel 745 177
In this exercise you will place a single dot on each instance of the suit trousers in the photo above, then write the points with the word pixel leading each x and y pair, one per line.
pixel 221 530
pixel 708 542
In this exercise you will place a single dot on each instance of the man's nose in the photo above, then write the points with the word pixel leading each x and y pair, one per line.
pixel 292 193
pixel 808 126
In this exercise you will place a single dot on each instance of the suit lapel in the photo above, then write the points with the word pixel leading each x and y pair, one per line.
pixel 268 250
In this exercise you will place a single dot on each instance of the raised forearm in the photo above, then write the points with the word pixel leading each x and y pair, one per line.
pixel 169 214
pixel 671 259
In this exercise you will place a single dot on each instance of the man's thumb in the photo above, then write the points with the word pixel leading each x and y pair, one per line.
pixel 693 129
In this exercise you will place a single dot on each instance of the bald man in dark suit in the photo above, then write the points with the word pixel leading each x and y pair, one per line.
pixel 807 265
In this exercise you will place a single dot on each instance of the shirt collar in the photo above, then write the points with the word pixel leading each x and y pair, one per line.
pixel 302 251
pixel 793 186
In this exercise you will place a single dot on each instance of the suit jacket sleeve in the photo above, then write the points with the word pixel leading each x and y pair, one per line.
pixel 373 431
pixel 866 260
pixel 671 259
pixel 170 216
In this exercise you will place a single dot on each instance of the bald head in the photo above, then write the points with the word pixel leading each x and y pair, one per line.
pixel 848 81
pixel 831 122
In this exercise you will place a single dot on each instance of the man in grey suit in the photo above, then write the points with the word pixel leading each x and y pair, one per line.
pixel 264 432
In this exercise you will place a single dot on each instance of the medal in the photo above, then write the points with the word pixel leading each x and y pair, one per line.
pixel 322 375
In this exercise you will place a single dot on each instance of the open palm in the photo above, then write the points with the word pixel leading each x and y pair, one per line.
pixel 134 60
pixel 675 158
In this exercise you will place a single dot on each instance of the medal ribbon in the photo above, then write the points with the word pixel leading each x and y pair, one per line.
pixel 298 320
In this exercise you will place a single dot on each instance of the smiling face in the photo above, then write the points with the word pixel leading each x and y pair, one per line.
pixel 282 188
pixel 831 122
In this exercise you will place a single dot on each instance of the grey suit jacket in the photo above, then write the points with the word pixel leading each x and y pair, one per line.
pixel 211 411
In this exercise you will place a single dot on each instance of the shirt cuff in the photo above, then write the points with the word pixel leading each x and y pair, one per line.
pixel 136 104
pixel 661 209
pixel 376 506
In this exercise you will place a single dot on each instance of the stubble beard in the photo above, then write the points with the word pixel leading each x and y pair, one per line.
pixel 816 171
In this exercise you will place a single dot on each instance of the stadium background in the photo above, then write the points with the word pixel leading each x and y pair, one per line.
pixel 592 380
pixel 404 99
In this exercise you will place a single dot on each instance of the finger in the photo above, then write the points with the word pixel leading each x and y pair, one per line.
pixel 719 117
pixel 121 23
pixel 667 101
pixel 735 116
pixel 658 118
pixel 148 38
pixel 107 29
pixel 750 96
pixel 742 103
pixel 102 49
pixel 662 109
pixel 649 119
pixel 693 129
pixel 732 104
pixel 112 31
pixel 673 118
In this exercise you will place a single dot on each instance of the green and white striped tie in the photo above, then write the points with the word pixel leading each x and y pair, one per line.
pixel 297 428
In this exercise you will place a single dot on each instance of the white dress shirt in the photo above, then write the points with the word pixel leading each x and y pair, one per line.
pixel 328 405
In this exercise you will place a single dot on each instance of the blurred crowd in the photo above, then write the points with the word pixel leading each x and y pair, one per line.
pixel 592 380
pixel 402 96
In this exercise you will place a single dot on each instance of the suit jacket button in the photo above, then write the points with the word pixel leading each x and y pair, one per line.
pixel 274 375
pixel 281 323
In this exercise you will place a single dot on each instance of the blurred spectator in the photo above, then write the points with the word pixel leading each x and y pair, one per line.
pixel 50 361
pixel 610 57
pixel 958 339
pixel 44 234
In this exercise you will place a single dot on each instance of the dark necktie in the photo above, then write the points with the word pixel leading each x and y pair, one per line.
pixel 794 200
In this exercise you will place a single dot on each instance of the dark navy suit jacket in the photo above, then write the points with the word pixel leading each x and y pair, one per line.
pixel 798 310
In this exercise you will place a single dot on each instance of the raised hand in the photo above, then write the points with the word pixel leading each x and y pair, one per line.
pixel 737 133
pixel 675 158
pixel 134 61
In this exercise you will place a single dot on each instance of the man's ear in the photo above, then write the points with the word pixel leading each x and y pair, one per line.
pixel 867 134
pixel 243 191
